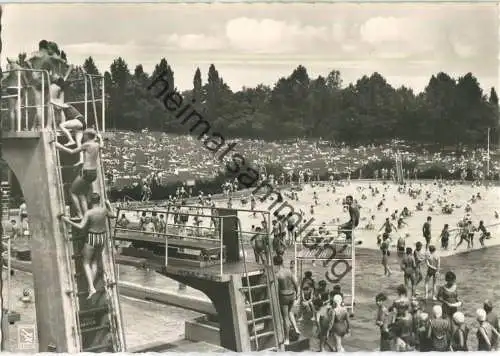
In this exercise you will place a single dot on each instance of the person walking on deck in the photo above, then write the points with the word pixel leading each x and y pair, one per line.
pixel 288 292
pixel 82 185
pixel 95 223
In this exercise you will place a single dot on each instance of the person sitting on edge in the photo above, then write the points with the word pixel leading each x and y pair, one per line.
pixel 83 183
pixel 94 222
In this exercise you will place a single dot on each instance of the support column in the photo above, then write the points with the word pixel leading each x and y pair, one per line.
pixel 32 161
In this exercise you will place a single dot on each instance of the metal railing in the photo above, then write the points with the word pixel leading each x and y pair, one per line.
pixel 178 230
pixel 21 89
pixel 23 104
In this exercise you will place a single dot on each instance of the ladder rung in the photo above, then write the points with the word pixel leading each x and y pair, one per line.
pixel 257 286
pixel 268 333
pixel 97 348
pixel 79 238
pixel 87 292
pixel 103 309
pixel 262 318
pixel 265 301
pixel 94 328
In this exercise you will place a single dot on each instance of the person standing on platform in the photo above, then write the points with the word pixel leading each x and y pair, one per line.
pixel 288 292
pixel 82 185
pixel 94 222
pixel 353 222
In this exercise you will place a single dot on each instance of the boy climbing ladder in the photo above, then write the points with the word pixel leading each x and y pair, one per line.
pixel 82 185
pixel 94 222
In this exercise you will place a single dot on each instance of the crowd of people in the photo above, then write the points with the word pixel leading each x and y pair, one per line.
pixel 130 157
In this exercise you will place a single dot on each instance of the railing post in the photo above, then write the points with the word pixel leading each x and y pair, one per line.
pixel 43 101
pixel 26 104
pixel 85 112
pixel 18 119
pixel 103 106
pixel 221 227
pixel 353 270
pixel 166 249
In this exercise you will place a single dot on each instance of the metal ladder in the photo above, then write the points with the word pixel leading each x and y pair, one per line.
pixel 5 201
pixel 111 284
pixel 108 311
pixel 70 289
pixel 247 290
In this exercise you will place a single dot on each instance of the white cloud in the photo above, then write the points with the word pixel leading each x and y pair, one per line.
pixel 338 32
pixel 398 37
pixel 100 49
pixel 196 42
pixel 271 36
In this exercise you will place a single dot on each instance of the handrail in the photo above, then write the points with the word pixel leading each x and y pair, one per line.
pixel 45 76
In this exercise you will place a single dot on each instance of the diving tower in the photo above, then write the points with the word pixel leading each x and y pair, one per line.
pixel 67 321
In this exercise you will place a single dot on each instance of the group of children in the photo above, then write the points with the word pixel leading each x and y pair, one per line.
pixel 326 310
pixel 410 325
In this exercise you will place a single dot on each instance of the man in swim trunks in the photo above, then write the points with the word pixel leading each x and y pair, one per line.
pixel 354 218
pixel 260 244
pixel 433 266
pixel 95 223
pixel 82 185
pixel 288 292
pixel 426 232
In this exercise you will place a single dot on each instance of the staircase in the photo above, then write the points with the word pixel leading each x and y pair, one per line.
pixel 98 319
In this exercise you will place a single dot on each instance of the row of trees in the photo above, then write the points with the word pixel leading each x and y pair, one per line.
pixel 449 111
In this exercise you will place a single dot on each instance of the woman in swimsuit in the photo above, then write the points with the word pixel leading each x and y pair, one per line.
pixel 439 330
pixel 402 304
pixel 460 333
pixel 307 293
pixel 409 268
pixel 447 295
pixel 485 332
pixel 341 325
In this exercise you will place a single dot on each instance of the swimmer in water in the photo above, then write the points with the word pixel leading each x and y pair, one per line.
pixel 426 232
pixel 82 185
pixel 409 267
pixel 445 237
pixel 288 292
pixel 384 247
pixel 94 222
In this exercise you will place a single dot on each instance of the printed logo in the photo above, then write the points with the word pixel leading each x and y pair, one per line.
pixel 26 337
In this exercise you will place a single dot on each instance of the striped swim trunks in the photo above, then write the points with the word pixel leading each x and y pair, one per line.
pixel 97 239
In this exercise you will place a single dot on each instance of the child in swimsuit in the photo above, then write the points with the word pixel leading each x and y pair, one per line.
pixel 95 222
pixel 82 185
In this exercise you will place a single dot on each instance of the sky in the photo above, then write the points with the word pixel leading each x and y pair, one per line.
pixel 258 43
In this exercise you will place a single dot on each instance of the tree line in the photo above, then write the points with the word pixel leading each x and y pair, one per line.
pixel 449 111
